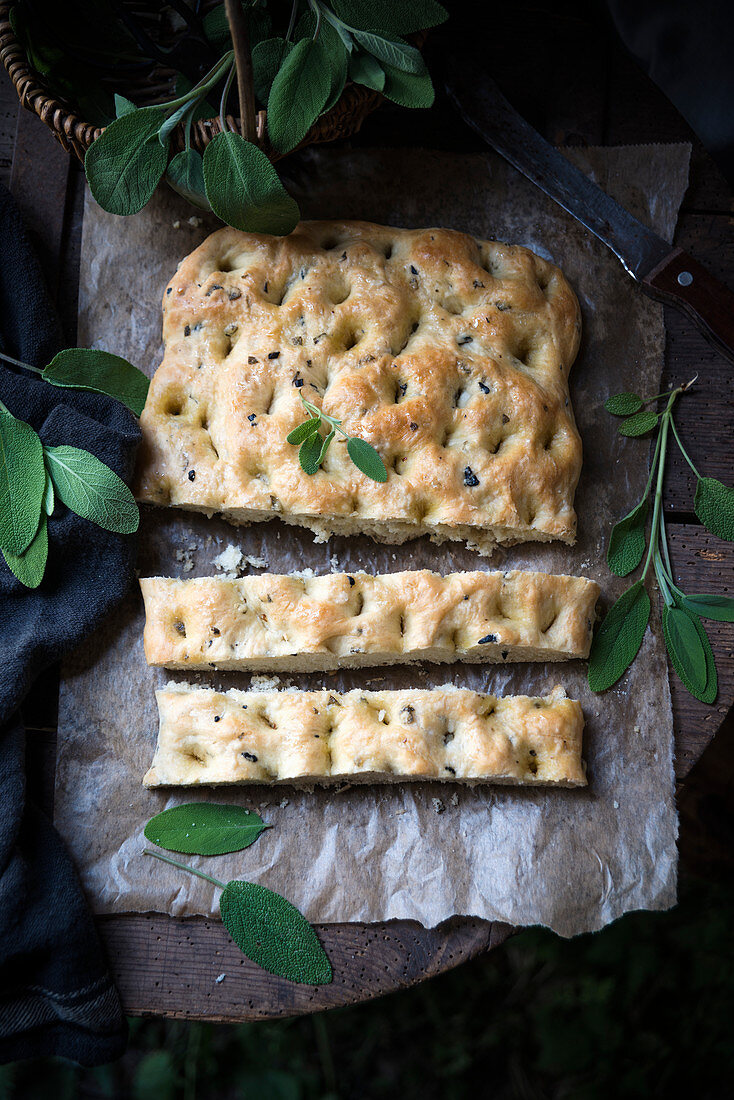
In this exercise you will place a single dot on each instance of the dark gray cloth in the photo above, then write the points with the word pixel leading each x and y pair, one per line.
pixel 56 994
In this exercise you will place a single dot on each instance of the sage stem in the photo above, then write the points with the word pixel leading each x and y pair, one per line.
pixel 682 448
pixel 661 477
pixel 17 363
pixel 184 867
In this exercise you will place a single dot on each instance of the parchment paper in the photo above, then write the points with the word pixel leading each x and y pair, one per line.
pixel 572 860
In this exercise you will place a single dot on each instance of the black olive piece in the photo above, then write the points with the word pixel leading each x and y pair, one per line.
pixel 251 359
pixel 274 355
pixel 470 478
pixel 187 330
pixel 192 475
pixel 487 639
pixel 483 388
pixel 250 756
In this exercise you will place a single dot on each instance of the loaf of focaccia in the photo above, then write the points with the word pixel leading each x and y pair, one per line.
pixel 448 354
pixel 304 737
pixel 302 623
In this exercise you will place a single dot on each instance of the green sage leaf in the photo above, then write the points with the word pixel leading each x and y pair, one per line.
pixel 243 187
pixel 205 828
pixel 392 51
pixel 298 94
pixel 720 608
pixel 365 69
pixel 365 458
pixel 309 452
pixel 49 499
pixel 623 404
pixel 272 932
pixel 338 63
pixel 391 16
pixel 627 541
pixel 22 482
pixel 712 681
pixel 326 444
pixel 123 106
pixel 29 566
pixel 125 163
pixel 618 639
pixel 685 648
pixel 185 174
pixel 406 89
pixel 304 430
pixel 267 58
pixel 101 372
pixel 91 489
pixel 714 506
pixel 639 423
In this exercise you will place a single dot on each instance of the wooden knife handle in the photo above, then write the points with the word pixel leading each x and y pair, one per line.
pixel 682 282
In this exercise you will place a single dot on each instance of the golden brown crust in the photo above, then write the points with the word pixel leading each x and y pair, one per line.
pixel 310 623
pixel 450 355
pixel 209 737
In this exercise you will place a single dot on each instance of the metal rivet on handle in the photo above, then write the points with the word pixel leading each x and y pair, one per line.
pixel 685 278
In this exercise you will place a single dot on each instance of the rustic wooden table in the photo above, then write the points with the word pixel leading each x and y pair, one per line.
pixel 576 85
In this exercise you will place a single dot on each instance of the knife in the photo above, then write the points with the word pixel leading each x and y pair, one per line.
pixel 666 273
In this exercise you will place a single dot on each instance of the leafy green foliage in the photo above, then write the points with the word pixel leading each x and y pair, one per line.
pixel 22 483
pixel 408 90
pixel 125 164
pixel 91 489
pixel 720 608
pixel 101 372
pixel 685 648
pixel 267 58
pixel 304 430
pixel 273 933
pixel 714 506
pixel 639 423
pixel 123 106
pixel 365 69
pixel 623 404
pixel 185 174
pixel 298 93
pixel 391 16
pixel 365 458
pixel 243 187
pixel 49 499
pixel 392 51
pixel 205 828
pixel 627 541
pixel 309 453
pixel 29 566
pixel 618 639
pixel 155 1078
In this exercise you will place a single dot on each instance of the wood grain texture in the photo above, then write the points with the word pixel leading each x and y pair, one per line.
pixel 170 967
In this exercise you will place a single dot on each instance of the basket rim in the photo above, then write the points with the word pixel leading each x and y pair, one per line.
pixel 67 124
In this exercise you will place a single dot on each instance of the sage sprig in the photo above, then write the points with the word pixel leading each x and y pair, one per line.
pixel 298 75
pixel 95 370
pixel 620 635
pixel 267 928
pixel 313 447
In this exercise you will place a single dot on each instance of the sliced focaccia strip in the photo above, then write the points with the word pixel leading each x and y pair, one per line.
pixel 296 737
pixel 448 354
pixel 301 623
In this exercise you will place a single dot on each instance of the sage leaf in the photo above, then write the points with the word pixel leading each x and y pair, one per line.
pixel 684 647
pixel 720 608
pixel 618 639
pixel 101 372
pixel 304 430
pixel 272 932
pixel 623 404
pixel 243 187
pixel 125 163
pixel 299 92
pixel 406 89
pixel 712 681
pixel 338 63
pixel 185 174
pixel 205 828
pixel 365 69
pixel 714 506
pixel 29 566
pixel 627 541
pixel 267 58
pixel 392 51
pixel 639 423
pixel 91 489
pixel 123 106
pixel 365 458
pixel 392 16
pixel 216 27
pixel 309 452
pixel 327 443
pixel 49 499
pixel 682 633
pixel 22 482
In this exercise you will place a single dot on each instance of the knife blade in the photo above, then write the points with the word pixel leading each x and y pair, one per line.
pixel 664 272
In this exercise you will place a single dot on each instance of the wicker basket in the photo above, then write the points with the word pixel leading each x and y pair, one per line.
pixel 76 135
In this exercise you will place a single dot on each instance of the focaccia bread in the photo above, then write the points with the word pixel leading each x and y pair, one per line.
pixel 448 354
pixel 302 623
pixel 447 733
